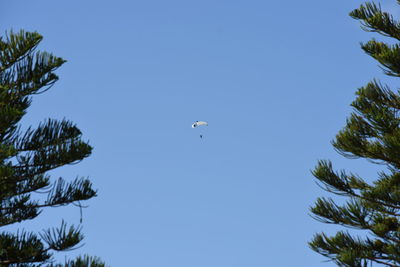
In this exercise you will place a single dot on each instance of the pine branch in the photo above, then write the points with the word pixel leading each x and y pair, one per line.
pixel 64 193
pixel 387 55
pixel 11 188
pixel 34 72
pixel 85 261
pixel 21 208
pixel 17 209
pixel 373 131
pixel 22 248
pixel 62 239
pixel 353 214
pixel 346 185
pixel 54 156
pixel 49 133
pixel 16 47
pixel 345 250
pixel 374 19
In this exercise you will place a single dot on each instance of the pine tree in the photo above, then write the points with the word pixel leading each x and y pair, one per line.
pixel 372 132
pixel 26 157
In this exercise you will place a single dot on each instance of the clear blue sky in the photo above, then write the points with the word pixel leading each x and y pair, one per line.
pixel 274 79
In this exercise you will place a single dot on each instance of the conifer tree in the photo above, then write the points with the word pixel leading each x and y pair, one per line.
pixel 26 157
pixel 371 132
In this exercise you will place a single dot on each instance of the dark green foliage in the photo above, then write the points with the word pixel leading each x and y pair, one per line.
pixel 82 262
pixel 27 156
pixel 374 19
pixel 372 132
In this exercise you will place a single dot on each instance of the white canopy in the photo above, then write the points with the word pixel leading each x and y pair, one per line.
pixel 199 123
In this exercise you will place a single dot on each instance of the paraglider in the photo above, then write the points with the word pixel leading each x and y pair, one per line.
pixel 198 124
